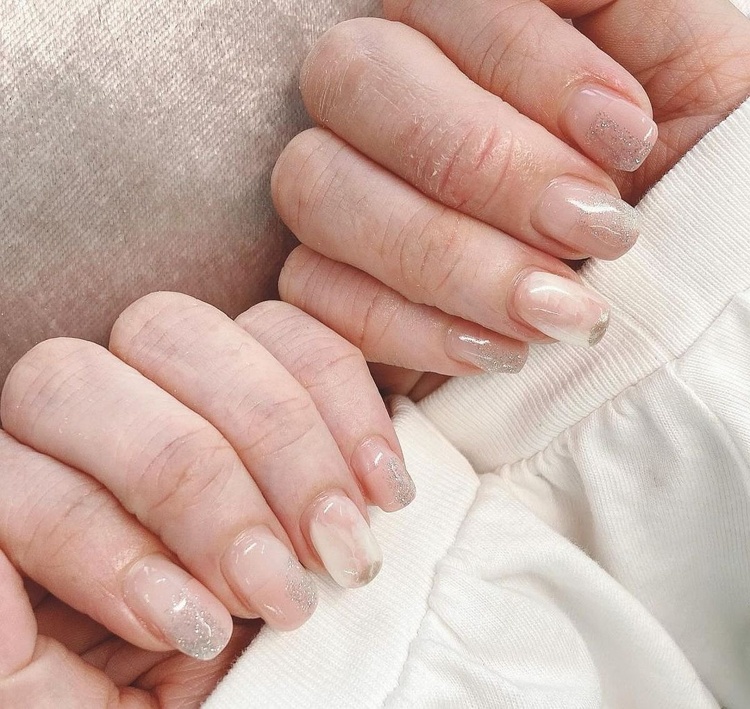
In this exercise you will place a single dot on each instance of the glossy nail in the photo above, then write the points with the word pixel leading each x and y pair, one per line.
pixel 177 607
pixel 561 308
pixel 485 350
pixel 586 218
pixel 609 128
pixel 383 474
pixel 343 540
pixel 262 570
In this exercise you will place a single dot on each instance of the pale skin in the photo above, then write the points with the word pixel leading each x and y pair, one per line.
pixel 419 253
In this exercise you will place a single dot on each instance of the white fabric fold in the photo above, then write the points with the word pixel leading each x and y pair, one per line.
pixel 581 536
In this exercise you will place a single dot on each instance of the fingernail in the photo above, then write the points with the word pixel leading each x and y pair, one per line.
pixel 585 218
pixel 561 308
pixel 176 606
pixel 383 474
pixel 485 351
pixel 262 570
pixel 610 129
pixel 343 540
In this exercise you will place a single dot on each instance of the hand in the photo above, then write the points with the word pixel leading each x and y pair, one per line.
pixel 189 473
pixel 451 172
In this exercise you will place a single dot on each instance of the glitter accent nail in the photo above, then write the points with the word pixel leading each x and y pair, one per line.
pixel 383 474
pixel 609 128
pixel 268 577
pixel 625 150
pixel 561 308
pixel 485 350
pixel 176 607
pixel 585 218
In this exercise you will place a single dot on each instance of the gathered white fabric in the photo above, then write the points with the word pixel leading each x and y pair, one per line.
pixel 581 534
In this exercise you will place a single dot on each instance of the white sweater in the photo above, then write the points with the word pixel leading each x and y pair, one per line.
pixel 581 535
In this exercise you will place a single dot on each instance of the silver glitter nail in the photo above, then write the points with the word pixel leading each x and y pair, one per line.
pixel 193 630
pixel 300 587
pixel 488 356
pixel 625 151
pixel 400 482
pixel 610 220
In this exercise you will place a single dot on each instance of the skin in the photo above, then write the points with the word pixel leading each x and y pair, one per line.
pixel 109 672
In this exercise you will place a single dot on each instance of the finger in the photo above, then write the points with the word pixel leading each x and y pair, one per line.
pixel 78 403
pixel 429 254
pixel 335 375
pixel 693 57
pixel 65 531
pixel 527 55
pixel 76 631
pixel 390 93
pixel 387 327
pixel 272 423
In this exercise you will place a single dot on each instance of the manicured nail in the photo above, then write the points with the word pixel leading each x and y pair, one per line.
pixel 343 540
pixel 561 308
pixel 383 474
pixel 262 570
pixel 484 350
pixel 610 129
pixel 174 605
pixel 586 218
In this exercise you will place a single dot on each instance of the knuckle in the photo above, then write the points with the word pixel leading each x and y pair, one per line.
pixel 276 424
pixel 504 60
pixel 265 314
pixel 380 313
pixel 183 470
pixel 307 178
pixel 431 250
pixel 59 520
pixel 46 374
pixel 146 315
pixel 295 174
pixel 328 361
pixel 466 169
pixel 300 274
pixel 337 65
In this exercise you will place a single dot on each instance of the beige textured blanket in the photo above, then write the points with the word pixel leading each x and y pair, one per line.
pixel 136 143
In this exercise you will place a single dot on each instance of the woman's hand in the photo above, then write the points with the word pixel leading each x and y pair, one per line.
pixel 192 472
pixel 451 172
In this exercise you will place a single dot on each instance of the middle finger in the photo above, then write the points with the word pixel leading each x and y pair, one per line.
pixel 393 95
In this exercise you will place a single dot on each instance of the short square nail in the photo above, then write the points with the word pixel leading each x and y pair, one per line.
pixel 585 218
pixel 343 540
pixel 179 608
pixel 383 474
pixel 561 308
pixel 608 128
pixel 262 570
